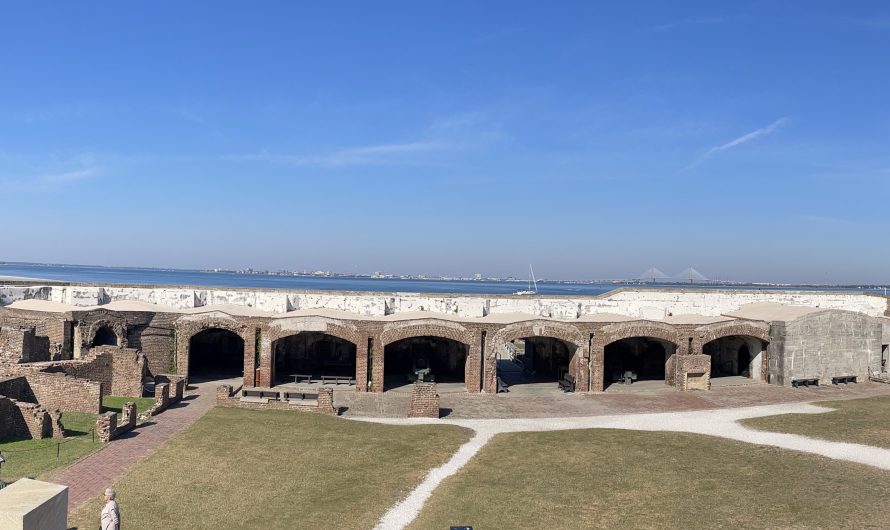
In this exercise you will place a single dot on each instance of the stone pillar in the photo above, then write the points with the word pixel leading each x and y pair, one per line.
pixel 326 401
pixel 162 396
pixel 377 358
pixel 361 365
pixel 106 424
pixel 579 367
pixel 223 392
pixel 249 364
pixel 490 365
pixel 265 376
pixel 473 367
pixel 424 401
pixel 56 424
pixel 128 416
pixel 597 361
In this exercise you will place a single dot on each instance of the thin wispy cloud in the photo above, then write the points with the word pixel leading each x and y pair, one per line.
pixel 741 140
pixel 46 182
pixel 698 21
pixel 384 154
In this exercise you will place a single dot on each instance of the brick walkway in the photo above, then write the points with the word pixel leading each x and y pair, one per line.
pixel 89 477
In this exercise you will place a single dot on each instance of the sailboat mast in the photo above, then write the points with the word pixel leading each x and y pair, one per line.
pixel 532 272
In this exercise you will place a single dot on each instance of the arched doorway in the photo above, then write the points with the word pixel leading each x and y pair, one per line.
pixel 636 359
pixel 535 361
pixel 216 353
pixel 430 358
pixel 105 336
pixel 314 354
pixel 735 356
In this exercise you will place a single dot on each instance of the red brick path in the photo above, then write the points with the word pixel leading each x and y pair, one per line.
pixel 89 477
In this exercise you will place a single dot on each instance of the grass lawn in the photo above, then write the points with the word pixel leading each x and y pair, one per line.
pixel 238 468
pixel 628 479
pixel 116 403
pixel 30 458
pixel 864 421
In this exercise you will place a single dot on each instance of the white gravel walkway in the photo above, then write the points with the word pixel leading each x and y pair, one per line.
pixel 717 422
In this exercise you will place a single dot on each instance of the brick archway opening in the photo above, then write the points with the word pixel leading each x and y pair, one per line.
pixel 314 354
pixel 215 353
pixel 636 359
pixel 736 356
pixel 105 336
pixel 536 361
pixel 430 358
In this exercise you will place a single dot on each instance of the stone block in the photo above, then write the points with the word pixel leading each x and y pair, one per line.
pixel 34 505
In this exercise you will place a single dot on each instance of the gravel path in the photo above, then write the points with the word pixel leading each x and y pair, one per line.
pixel 722 423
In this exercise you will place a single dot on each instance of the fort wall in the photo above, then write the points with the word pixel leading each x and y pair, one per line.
pixel 652 304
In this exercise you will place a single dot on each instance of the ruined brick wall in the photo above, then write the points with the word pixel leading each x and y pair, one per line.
pixel 17 345
pixel 56 390
pixel 119 370
pixel 51 333
pixel 424 401
pixel 19 420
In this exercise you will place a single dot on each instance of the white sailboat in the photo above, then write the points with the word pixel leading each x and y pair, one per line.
pixel 531 280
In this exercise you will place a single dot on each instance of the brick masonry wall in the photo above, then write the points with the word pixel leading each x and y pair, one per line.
pixel 119 370
pixel 226 397
pixel 693 372
pixel 20 420
pixel 57 391
pixel 424 401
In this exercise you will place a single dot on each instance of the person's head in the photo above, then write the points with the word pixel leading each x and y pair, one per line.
pixel 109 495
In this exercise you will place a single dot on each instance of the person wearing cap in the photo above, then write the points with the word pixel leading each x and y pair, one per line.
pixel 110 518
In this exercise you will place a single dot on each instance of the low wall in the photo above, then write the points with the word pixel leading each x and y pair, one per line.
pixel 107 426
pixel 227 397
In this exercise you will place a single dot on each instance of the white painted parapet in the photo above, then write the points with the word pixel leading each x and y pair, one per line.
pixel 651 304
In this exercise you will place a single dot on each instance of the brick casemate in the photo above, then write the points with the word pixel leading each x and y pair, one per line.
pixel 119 370
pixel 424 401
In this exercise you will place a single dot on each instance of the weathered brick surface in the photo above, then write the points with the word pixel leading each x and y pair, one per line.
pixel 20 420
pixel 109 425
pixel 424 401
pixel 693 372
pixel 52 390
pixel 226 396
pixel 119 370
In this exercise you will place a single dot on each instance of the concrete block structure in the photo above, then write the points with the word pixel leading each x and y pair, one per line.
pixel 374 342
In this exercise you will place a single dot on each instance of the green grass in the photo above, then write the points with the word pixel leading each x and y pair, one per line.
pixel 237 468
pixel 33 458
pixel 864 421
pixel 116 403
pixel 628 479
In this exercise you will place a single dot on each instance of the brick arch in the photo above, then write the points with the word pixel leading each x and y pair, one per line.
pixel 566 333
pixel 114 325
pixel 639 328
pixel 425 328
pixel 332 328
pixel 186 329
pixel 540 328
pixel 711 332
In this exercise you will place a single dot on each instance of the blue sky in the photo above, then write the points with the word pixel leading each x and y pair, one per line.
pixel 750 140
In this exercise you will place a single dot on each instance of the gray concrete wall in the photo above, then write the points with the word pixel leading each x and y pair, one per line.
pixel 827 344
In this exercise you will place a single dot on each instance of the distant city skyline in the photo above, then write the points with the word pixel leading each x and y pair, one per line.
pixel 746 140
